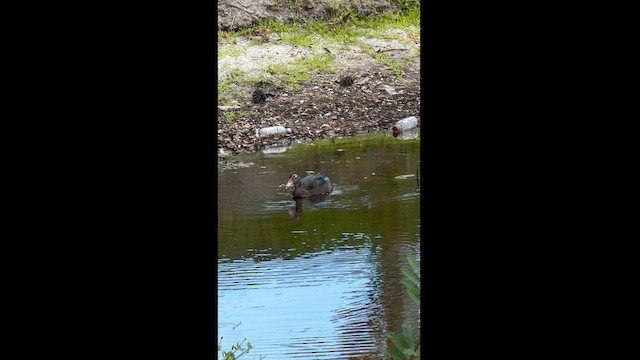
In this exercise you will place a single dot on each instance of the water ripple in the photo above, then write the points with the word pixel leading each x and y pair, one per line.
pixel 273 301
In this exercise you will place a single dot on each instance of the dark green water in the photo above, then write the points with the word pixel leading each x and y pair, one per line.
pixel 318 279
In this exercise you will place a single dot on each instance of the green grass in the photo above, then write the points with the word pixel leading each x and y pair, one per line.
pixel 408 18
pixel 299 38
pixel 230 51
pixel 345 26
pixel 382 58
pixel 318 62
pixel 230 116
pixel 234 77
pixel 291 75
pixel 338 32
pixel 223 86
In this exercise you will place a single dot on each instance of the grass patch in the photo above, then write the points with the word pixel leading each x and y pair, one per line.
pixel 345 34
pixel 382 58
pixel 230 51
pixel 293 74
pixel 340 19
pixel 230 116
pixel 344 28
pixel 402 20
pixel 260 79
pixel 234 77
pixel 299 38
pixel 318 62
pixel 288 74
pixel 223 86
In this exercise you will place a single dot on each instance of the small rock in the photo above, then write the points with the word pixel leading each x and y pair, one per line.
pixel 389 89
pixel 228 107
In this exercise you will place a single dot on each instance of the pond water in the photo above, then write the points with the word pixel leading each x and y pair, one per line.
pixel 318 278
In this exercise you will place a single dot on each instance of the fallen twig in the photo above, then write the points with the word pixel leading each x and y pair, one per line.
pixel 379 50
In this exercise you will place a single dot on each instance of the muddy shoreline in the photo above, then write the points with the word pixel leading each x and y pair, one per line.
pixel 301 69
pixel 323 108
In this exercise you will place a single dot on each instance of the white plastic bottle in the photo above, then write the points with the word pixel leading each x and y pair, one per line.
pixel 272 130
pixel 405 124
pixel 406 135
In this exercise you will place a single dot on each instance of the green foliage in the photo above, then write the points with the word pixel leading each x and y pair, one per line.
pixel 230 51
pixel 290 75
pixel 223 87
pixel 298 38
pixel 405 5
pixel 233 354
pixel 412 279
pixel 342 11
pixel 409 17
pixel 318 62
pixel 236 75
pixel 407 343
pixel 237 350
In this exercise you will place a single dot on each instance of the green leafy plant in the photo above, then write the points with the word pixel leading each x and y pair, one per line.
pixel 233 354
pixel 408 4
pixel 237 350
pixel 407 343
pixel 412 279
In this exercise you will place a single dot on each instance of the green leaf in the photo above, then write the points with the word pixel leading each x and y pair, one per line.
pixel 409 352
pixel 412 276
pixel 399 340
pixel 412 290
pixel 415 264
pixel 412 279
pixel 395 354
pixel 412 334
pixel 405 343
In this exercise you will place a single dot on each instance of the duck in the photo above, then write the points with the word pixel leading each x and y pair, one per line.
pixel 311 185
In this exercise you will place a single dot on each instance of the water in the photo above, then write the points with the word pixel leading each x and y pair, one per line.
pixel 318 278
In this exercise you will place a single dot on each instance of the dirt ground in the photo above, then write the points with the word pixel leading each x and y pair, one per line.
pixel 322 107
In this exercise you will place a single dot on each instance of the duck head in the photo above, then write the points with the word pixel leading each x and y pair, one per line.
pixel 293 179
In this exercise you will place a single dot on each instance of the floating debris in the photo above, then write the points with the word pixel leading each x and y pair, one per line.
pixel 402 177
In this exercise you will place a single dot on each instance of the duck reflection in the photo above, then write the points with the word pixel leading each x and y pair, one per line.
pixel 295 213
pixel 312 188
